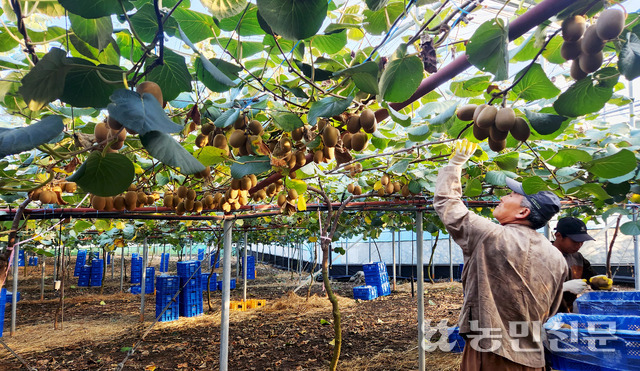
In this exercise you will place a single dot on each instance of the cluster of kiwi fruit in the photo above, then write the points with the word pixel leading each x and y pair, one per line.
pixel 52 193
pixel 183 200
pixel 287 201
pixel 354 169
pixel 354 138
pixel 270 191
pixel 388 187
pixel 244 134
pixel 494 124
pixel 583 45
pixel 104 134
pixel 130 200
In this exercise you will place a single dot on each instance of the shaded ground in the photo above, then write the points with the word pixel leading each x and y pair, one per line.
pixel 290 333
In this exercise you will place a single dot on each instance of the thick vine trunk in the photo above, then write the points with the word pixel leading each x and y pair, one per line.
pixel 337 346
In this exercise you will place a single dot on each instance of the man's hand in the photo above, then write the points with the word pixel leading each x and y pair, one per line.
pixel 462 151
pixel 576 286
pixel 601 282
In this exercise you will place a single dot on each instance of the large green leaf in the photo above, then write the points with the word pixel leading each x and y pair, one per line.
pixel 631 228
pixel 380 21
pixel 246 165
pixel 141 114
pixel 106 175
pixel 96 8
pixel 294 19
pixel 229 70
pixel 552 51
pixel 206 66
pixel 327 107
pixel 6 41
pixel 569 157
pixel 419 133
pixel 535 84
pixel 287 121
pixel 247 48
pixel 331 43
pixel 145 22
pixel 173 76
pixel 84 87
pixel 45 82
pixel 317 74
pixel 248 22
pixel 227 118
pixel 14 141
pixel 129 46
pixel 95 31
pixel 473 188
pixel 534 184
pixel 224 8
pixel 364 75
pixel 508 161
pixel 589 94
pixel 197 26
pixel 544 123
pixel 210 156
pixel 376 5
pixel 473 87
pixel 164 148
pixel 487 48
pixel 589 190
pixel 401 77
pixel 629 59
pixel 614 165
pixel 109 55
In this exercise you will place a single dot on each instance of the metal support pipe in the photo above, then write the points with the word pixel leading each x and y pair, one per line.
pixel 121 268
pixel 42 275
pixel 636 253
pixel 399 254
pixel 55 263
pixel 145 254
pixel 14 297
pixel 420 249
pixel 346 256
pixel 393 257
pixel 369 249
pixel 244 265
pixel 226 278
pixel 450 261
pixel 632 113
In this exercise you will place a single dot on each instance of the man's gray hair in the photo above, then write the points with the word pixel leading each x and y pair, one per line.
pixel 535 217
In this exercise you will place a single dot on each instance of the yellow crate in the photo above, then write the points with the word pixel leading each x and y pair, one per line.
pixel 255 303
pixel 260 303
pixel 237 305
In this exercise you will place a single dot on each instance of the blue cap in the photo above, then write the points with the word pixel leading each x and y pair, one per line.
pixel 544 202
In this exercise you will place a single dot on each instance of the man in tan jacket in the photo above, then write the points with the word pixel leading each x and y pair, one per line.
pixel 512 277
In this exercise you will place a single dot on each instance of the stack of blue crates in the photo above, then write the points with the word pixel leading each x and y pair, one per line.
pixel 97 266
pixel 167 287
pixel 251 267
pixel 212 258
pixel 109 258
pixel 21 258
pixel 33 261
pixel 10 297
pixel 164 262
pixel 375 274
pixel 150 280
pixel 3 301
pixel 84 276
pixel 190 275
pixel 136 269
pixel 81 259
pixel 365 292
pixel 201 254
pixel 213 285
pixel 232 284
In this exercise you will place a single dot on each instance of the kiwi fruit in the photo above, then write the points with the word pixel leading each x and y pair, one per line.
pixel 220 141
pixel 301 159
pixel 197 207
pixel 191 194
pixel 590 62
pixel 207 129
pixel 487 117
pixel 505 118
pixel 573 28
pixel 357 167
pixel 285 144
pixel 389 189
pixel 610 24
pixel 357 190
pixel 479 109
pixel 271 190
pixel 181 209
pixel 49 197
pixel 108 204
pixel 497 146
pixel 202 140
pixel 369 129
pixel 142 198
pixel 330 136
pixel 350 188
pixel 346 140
pixel 575 71
pixel 353 124
pixel 381 191
pixel 150 200
pixel 97 202
pixel 384 179
pixel 131 200
pixel 359 141
pixel 245 183
pixel 480 133
pixel 292 194
pixel 132 187
pixel 241 122
pixel 281 199
pixel 329 153
pixel 520 130
pixel 119 203
pixel 297 134
pixel 182 191
pixel 208 200
pixel 167 201
pixel 237 139
pixel 235 183
pixel 496 134
pixel 152 88
pixel 255 127
pixel 591 42
pixel 101 132
pixel 397 186
pixel 321 124
pixel 405 191
pixel 70 187
pixel 465 113
pixel 206 173
pixel 318 157
pixel 291 162
pixel 188 204
pixel 176 201
pixel 571 50
pixel 368 120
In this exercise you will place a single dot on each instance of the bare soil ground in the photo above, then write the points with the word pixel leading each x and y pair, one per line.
pixel 290 333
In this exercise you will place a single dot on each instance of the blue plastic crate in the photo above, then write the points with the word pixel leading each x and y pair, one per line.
pixel 9 297
pixel 190 310
pixel 3 301
pixel 171 314
pixel 168 283
pixel 566 364
pixel 201 254
pixel 609 302
pixel 455 340
pixel 365 292
pixel 188 268
pixel 213 286
pixel 164 262
pixel 232 284
pixel 599 340
pixel 375 267
pixel 136 289
pixel 135 255
pixel 95 281
pixel 384 289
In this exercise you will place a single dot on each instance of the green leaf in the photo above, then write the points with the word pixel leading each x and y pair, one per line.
pixel 324 322
pixel 473 188
pixel 487 48
pixel 22 139
pixel 81 225
pixel 96 8
pixel 415 187
pixel 378 22
pixel 106 175
pixel 569 157
pixel 141 114
pixel 544 123
pixel 131 52
pixel 630 228
pixel 96 32
pixel 419 133
pixel 330 44
pixel 399 167
pixel 299 185
pixel 589 94
pixel 629 59
pixel 508 161
pixel 614 210
pixel 248 22
pixel 84 87
pixel 318 74
pixel 534 184
pixel 379 143
pixel 173 76
pixel 496 178
pixel 227 118
pixel 204 73
pixel 403 120
pixel 287 121
pixel 364 75
pixel 224 8
pixel 552 51
pixel 145 23
pixel 294 19
pixel 196 26
pixel 246 165
pixel 376 5
pixel 473 87
pixel 535 84
pixel 164 148
pixel 327 107
pixel 402 76
pixel 45 82
pixel 210 156
pixel 613 166
pixel 589 189
pixel 6 41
